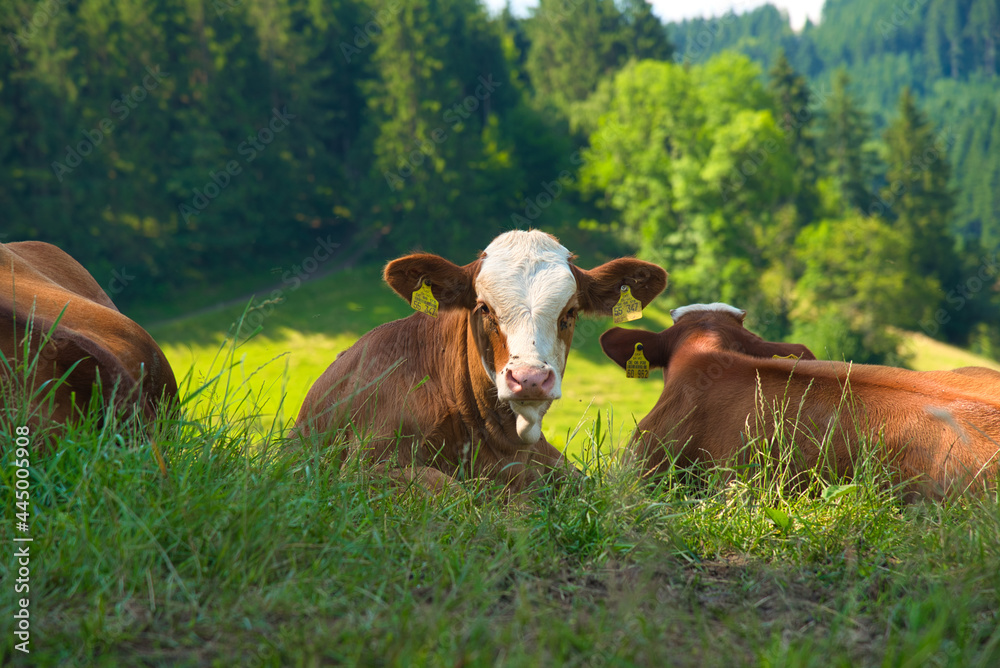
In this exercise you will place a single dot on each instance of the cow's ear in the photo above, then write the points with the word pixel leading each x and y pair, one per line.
pixel 453 286
pixel 601 287
pixel 619 344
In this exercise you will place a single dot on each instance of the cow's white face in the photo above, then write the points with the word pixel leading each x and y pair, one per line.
pixel 526 309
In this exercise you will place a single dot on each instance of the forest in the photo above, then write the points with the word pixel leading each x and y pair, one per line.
pixel 840 183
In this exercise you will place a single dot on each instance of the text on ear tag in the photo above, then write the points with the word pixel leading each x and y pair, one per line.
pixel 627 308
pixel 637 365
pixel 423 300
pixel 785 357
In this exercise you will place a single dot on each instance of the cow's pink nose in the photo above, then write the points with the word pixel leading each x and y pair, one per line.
pixel 530 382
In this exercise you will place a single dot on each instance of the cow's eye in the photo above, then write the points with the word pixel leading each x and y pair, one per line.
pixel 568 319
pixel 483 310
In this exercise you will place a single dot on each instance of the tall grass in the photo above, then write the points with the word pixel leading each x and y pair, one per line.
pixel 212 542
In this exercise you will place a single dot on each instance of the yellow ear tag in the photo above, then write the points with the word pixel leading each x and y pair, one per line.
pixel 627 308
pixel 423 300
pixel 637 365
pixel 785 357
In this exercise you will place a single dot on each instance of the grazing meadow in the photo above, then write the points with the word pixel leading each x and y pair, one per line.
pixel 291 337
pixel 214 541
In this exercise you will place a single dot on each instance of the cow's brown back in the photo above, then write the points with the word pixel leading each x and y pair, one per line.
pixel 724 387
pixel 940 428
pixel 43 286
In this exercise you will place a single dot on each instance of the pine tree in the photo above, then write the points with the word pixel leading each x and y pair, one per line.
pixel 646 35
pixel 442 169
pixel 845 129
pixel 918 197
pixel 945 37
pixel 795 118
pixel 575 43
pixel 984 26
pixel 989 204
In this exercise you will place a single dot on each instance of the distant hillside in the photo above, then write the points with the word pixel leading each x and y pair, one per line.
pixel 944 50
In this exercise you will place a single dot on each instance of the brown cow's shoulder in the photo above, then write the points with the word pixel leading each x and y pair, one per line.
pixel 410 380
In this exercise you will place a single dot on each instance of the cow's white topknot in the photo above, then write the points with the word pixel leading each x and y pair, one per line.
pixel 681 311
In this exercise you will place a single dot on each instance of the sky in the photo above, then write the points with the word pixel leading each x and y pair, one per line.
pixel 676 10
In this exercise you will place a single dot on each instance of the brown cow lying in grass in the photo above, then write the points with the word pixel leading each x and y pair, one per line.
pixel 59 331
pixel 431 398
pixel 938 431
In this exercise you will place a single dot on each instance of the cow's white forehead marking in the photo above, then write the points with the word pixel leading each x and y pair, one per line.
pixel 681 311
pixel 525 276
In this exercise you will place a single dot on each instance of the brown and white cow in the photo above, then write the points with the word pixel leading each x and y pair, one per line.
pixel 463 393
pixel 939 430
pixel 41 286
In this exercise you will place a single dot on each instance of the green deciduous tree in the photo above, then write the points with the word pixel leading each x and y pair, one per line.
pixel 857 279
pixel 693 164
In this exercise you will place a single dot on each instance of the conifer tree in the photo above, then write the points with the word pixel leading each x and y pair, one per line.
pixel 575 43
pixel 984 26
pixel 946 36
pixel 439 143
pixel 918 198
pixel 796 119
pixel 844 132
pixel 646 36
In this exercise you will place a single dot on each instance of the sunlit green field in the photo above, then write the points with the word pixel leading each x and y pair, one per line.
pixel 302 333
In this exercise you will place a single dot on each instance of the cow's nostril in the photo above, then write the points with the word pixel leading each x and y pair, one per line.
pixel 549 382
pixel 531 382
